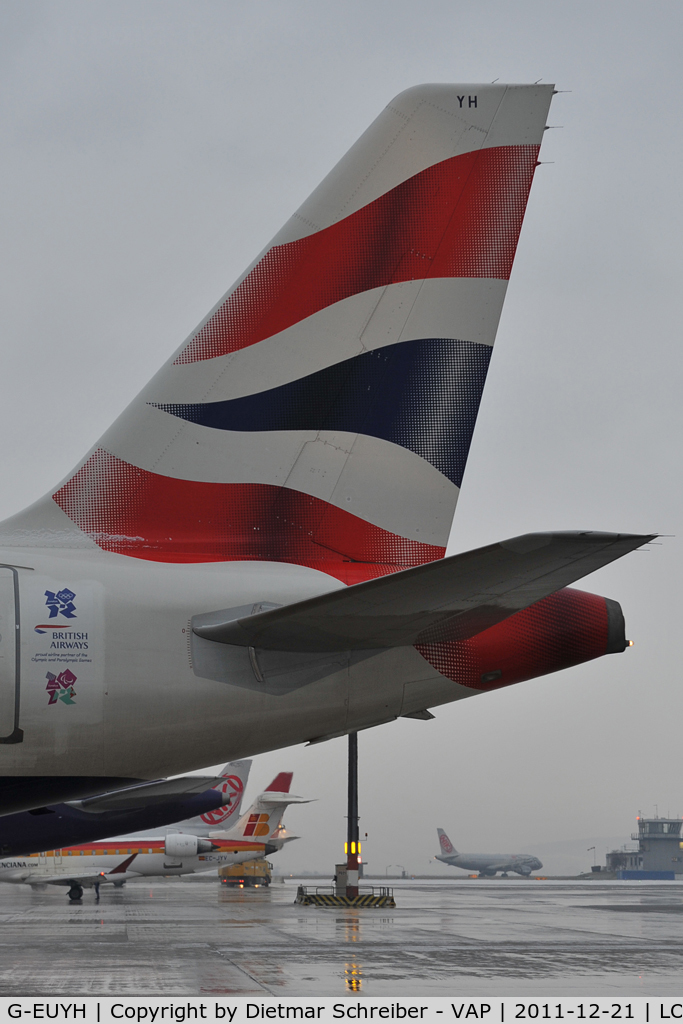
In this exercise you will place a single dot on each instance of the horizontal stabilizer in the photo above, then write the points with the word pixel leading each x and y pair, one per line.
pixel 281 799
pixel 449 599
pixel 282 839
pixel 147 794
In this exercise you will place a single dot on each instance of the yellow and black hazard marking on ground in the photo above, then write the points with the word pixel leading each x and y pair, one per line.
pixel 323 899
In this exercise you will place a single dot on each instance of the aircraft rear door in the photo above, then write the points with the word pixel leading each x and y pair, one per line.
pixel 9 656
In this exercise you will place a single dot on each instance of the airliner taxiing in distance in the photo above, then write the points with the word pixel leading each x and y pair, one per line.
pixel 487 864
pixel 252 555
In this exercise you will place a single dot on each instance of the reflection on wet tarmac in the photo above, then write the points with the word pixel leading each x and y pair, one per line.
pixel 451 938
pixel 352 971
pixel 353 978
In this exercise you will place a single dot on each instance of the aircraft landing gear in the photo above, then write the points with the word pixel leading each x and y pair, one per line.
pixel 75 893
pixel 119 885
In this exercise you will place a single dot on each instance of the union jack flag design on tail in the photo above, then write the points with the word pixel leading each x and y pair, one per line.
pixel 322 413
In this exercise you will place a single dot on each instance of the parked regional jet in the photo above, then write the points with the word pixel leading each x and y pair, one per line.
pixel 193 803
pixel 487 864
pixel 258 833
pixel 252 556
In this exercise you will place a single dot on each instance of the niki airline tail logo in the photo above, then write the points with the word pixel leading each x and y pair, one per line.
pixel 446 844
pixel 61 687
pixel 232 787
pixel 60 603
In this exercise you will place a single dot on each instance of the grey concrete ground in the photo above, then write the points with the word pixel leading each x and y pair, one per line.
pixel 499 937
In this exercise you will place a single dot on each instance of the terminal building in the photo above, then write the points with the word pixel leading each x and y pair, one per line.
pixel 659 854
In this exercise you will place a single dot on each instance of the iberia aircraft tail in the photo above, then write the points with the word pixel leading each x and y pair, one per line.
pixel 322 413
pixel 263 821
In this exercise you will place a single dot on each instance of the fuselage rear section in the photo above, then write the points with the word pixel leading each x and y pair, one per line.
pixel 106 691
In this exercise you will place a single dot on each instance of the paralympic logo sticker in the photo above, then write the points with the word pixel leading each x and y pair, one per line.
pixel 61 687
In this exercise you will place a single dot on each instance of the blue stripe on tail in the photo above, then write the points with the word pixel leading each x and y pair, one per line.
pixel 423 395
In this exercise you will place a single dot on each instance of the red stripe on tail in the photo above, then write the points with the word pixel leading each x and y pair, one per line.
pixel 281 783
pixel 458 218
pixel 145 515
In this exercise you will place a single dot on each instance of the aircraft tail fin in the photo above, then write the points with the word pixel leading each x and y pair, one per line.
pixel 323 411
pixel 280 783
pixel 235 775
pixel 447 848
pixel 263 820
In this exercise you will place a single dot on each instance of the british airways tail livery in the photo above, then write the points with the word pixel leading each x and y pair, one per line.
pixel 253 555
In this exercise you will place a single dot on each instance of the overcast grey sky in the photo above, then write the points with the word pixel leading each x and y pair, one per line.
pixel 152 148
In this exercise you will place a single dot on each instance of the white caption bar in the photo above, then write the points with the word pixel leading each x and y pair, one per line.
pixel 353 1008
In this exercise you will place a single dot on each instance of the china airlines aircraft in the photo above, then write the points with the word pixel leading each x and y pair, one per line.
pixel 252 556
pixel 487 864
pixel 258 833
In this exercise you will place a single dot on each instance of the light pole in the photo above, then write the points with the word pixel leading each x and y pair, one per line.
pixel 352 843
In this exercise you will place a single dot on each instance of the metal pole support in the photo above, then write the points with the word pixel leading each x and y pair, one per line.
pixel 353 845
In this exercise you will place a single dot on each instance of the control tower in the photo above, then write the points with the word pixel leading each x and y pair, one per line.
pixel 660 851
